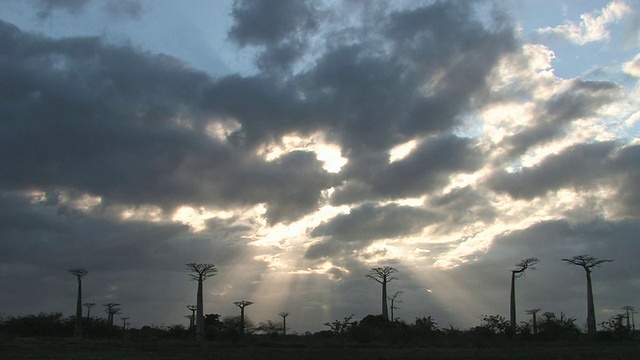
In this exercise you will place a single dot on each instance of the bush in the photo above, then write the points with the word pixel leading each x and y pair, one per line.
pixel 41 325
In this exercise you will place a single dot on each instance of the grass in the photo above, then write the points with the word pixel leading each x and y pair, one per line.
pixel 77 349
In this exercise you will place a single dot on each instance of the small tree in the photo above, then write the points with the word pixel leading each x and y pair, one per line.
pixel 242 304
pixel 284 322
pixel 79 273
pixel 533 313
pixel 124 322
pixel 383 275
pixel 111 310
pixel 199 273
pixel 516 273
pixel 394 299
pixel 629 314
pixel 588 263
pixel 89 306
pixel 341 327
pixel 192 319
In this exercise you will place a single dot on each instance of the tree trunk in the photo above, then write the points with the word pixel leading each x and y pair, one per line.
pixel 512 305
pixel 284 325
pixel 385 311
pixel 78 329
pixel 242 320
pixel 200 313
pixel 535 325
pixel 591 312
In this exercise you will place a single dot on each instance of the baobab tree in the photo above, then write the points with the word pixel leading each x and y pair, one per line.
pixel 89 306
pixel 111 310
pixel 534 313
pixel 191 320
pixel 199 273
pixel 383 275
pixel 629 310
pixel 284 322
pixel 193 309
pixel 124 322
pixel 588 263
pixel 394 299
pixel 79 273
pixel 521 267
pixel 242 304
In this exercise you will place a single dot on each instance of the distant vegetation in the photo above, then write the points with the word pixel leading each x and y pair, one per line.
pixel 493 330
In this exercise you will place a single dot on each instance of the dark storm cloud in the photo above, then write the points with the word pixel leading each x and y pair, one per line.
pixel 462 206
pixel 426 168
pixel 35 233
pixel 281 27
pixel 129 127
pixel 267 107
pixel 578 167
pixel 398 82
pixel 580 99
pixel 291 185
pixel 626 164
pixel 365 224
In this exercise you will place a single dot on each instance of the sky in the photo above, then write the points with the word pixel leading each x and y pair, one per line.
pixel 298 144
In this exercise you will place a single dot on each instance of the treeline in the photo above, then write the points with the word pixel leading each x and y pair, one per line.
pixel 493 330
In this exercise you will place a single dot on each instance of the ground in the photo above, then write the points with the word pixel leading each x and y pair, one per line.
pixel 72 349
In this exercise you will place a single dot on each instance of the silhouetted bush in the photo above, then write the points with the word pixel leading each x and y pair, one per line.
pixel 552 328
pixel 41 325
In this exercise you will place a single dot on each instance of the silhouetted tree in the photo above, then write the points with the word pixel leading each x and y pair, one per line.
pixel 269 327
pixel 533 313
pixel 521 267
pixel 629 313
pixel 383 275
pixel 284 322
pixel 341 327
pixel 199 273
pixel 242 304
pixel 111 310
pixel 191 320
pixel 79 273
pixel 193 309
pixel 394 299
pixel 124 322
pixel 89 306
pixel 588 263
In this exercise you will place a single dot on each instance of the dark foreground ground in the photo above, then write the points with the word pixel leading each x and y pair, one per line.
pixel 70 349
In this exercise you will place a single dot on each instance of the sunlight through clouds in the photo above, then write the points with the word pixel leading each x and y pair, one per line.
pixel 328 153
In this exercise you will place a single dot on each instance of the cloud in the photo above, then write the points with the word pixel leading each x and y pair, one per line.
pixel 578 99
pixel 426 168
pixel 592 27
pixel 116 9
pixel 100 119
pixel 47 7
pixel 365 224
pixel 282 28
pixel 578 167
